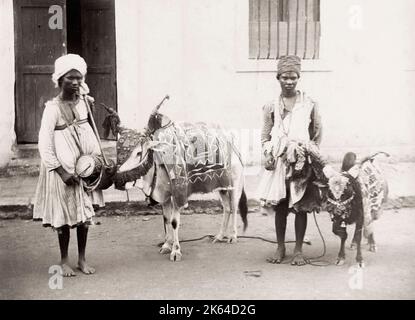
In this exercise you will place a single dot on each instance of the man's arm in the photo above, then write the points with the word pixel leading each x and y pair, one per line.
pixel 267 123
pixel 315 129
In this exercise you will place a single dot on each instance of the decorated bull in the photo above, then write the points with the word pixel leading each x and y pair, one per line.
pixel 174 160
pixel 355 195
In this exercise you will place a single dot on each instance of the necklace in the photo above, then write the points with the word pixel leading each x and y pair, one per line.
pixel 69 111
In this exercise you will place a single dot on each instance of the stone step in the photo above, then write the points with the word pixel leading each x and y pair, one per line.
pixel 26 159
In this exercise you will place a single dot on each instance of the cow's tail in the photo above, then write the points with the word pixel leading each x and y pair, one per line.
pixel 243 208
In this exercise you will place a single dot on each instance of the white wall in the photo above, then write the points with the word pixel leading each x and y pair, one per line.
pixel 190 50
pixel 7 134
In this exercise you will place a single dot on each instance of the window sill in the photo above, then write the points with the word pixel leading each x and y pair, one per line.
pixel 252 65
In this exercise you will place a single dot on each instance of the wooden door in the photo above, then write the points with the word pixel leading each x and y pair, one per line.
pixel 37 48
pixel 98 49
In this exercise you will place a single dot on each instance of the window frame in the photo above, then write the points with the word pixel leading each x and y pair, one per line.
pixel 244 64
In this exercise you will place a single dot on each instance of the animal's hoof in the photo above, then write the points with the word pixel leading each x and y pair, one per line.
pixel 353 246
pixel 340 262
pixel 373 248
pixel 175 256
pixel 233 239
pixel 361 265
pixel 217 238
pixel 165 250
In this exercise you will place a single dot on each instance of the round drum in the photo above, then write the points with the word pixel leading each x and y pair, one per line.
pixel 94 173
pixel 88 166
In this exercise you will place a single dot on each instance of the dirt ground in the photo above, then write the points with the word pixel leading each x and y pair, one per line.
pixel 124 251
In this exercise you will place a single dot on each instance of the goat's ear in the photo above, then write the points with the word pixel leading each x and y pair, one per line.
pixel 354 171
pixel 328 171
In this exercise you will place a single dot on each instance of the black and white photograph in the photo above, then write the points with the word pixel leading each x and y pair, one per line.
pixel 207 151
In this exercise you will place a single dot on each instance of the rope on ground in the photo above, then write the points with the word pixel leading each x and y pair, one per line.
pixel 312 261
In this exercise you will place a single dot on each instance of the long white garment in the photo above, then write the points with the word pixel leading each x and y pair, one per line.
pixel 294 127
pixel 57 204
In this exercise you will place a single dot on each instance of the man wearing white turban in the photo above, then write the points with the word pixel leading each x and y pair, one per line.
pixel 61 201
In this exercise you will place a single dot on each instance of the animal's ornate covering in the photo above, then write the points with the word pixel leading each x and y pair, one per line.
pixel 197 158
pixel 355 196
pixel 177 160
pixel 371 188
pixel 127 141
pixel 341 197
pixel 374 192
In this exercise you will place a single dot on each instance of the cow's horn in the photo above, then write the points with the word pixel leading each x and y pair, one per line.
pixel 156 109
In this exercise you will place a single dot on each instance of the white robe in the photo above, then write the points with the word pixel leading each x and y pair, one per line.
pixel 294 127
pixel 57 204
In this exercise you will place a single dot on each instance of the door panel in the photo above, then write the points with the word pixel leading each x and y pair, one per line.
pixel 98 49
pixel 37 47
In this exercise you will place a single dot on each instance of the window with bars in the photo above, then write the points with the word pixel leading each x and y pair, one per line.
pixel 284 27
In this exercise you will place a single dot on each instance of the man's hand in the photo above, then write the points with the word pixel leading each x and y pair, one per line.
pixel 67 178
pixel 267 147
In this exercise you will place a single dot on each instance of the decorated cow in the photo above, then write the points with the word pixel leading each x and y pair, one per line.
pixel 171 161
pixel 355 196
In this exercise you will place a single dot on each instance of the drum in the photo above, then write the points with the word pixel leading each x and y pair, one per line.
pixel 94 172
pixel 88 166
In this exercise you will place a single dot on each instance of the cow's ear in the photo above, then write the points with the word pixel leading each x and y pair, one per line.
pixel 155 145
pixel 137 149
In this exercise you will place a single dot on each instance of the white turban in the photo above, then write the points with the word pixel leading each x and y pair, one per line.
pixel 67 63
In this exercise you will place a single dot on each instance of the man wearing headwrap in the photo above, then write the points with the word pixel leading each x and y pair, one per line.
pixel 289 64
pixel 65 133
pixel 290 136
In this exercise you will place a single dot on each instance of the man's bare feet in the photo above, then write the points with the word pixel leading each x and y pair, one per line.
pixel 67 270
pixel 85 268
pixel 279 256
pixel 299 259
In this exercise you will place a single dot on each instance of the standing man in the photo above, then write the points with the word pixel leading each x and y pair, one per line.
pixel 291 134
pixel 65 133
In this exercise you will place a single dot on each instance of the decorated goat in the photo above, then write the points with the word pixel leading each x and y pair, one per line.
pixel 173 161
pixel 355 195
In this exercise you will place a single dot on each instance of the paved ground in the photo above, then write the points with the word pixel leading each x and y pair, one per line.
pixel 124 251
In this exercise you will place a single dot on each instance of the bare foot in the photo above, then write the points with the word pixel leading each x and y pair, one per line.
pixel 82 265
pixel 299 260
pixel 67 271
pixel 279 256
